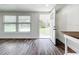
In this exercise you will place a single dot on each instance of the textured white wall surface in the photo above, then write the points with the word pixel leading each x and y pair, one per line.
pixel 67 19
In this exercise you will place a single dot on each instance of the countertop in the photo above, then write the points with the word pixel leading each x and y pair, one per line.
pixel 73 34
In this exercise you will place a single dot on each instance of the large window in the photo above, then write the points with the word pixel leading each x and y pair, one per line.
pixel 17 23
pixel 24 23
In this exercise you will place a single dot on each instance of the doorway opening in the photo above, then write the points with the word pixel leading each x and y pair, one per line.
pixel 47 26
pixel 44 29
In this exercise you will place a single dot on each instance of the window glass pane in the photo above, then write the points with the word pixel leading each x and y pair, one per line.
pixel 9 18
pixel 24 18
pixel 9 28
pixel 24 28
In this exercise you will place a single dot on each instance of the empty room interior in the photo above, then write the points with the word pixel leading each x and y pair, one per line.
pixel 39 29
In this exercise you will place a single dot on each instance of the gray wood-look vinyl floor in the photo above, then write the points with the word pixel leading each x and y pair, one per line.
pixel 28 47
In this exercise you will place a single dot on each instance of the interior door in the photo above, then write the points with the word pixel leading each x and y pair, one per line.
pixel 52 26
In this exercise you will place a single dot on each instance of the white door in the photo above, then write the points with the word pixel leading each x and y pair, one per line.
pixel 52 26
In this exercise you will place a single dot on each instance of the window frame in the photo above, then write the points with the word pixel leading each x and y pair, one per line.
pixel 23 23
pixel 16 23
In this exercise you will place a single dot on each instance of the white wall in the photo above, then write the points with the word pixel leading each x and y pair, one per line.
pixel 34 26
pixel 67 19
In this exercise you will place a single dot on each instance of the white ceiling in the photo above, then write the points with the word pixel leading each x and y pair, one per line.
pixel 27 7
pixel 60 6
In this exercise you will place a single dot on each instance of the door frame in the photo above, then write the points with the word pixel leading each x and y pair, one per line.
pixel 53 26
